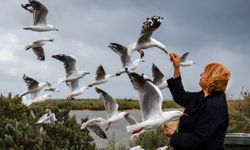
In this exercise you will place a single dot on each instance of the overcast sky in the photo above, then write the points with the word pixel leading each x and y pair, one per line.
pixel 212 31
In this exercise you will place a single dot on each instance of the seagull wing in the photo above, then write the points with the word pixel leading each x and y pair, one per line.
pixel 130 120
pixel 96 129
pixel 100 73
pixel 39 53
pixel 184 57
pixel 157 75
pixel 122 52
pixel 69 63
pixel 31 83
pixel 74 85
pixel 40 13
pixel 110 104
pixel 150 96
pixel 148 27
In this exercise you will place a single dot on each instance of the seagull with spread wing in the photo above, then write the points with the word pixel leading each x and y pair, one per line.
pixel 72 74
pixel 40 13
pixel 111 109
pixel 184 61
pixel 145 41
pixel 34 87
pixel 38 49
pixel 150 99
pixel 125 58
pixel 101 77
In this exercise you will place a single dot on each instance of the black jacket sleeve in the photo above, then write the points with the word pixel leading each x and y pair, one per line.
pixel 178 92
pixel 208 122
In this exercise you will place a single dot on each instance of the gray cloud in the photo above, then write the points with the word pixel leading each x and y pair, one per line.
pixel 210 30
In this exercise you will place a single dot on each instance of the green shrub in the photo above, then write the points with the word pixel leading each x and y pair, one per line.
pixel 239 113
pixel 18 131
pixel 96 104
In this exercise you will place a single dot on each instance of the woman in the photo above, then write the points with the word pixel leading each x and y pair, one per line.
pixel 204 123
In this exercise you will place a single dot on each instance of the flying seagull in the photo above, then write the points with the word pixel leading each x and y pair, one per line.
pixel 39 12
pixel 150 99
pixel 38 49
pixel 111 109
pixel 184 61
pixel 33 86
pixel 145 41
pixel 101 77
pixel 72 74
pixel 92 126
pixel 125 58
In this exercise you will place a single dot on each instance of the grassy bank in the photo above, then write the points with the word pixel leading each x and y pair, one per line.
pixel 96 104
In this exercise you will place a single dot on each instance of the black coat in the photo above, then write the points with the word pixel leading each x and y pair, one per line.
pixel 204 123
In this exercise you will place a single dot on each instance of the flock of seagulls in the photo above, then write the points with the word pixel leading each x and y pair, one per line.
pixel 150 96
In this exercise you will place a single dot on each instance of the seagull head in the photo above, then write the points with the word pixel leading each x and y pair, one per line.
pixel 86 72
pixel 60 57
pixel 55 29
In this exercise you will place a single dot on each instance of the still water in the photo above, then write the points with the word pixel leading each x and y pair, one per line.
pixel 118 130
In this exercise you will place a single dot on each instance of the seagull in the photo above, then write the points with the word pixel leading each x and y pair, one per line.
pixel 38 49
pixel 150 98
pixel 138 147
pixel 145 41
pixel 158 78
pixel 33 86
pixel 184 61
pixel 92 126
pixel 47 118
pixel 101 77
pixel 39 12
pixel 111 108
pixel 125 58
pixel 28 102
pixel 72 73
